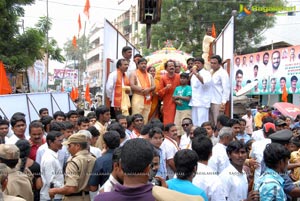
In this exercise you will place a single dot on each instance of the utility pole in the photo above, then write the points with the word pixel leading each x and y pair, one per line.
pixel 47 44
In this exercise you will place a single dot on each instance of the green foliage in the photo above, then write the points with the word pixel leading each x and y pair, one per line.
pixel 72 53
pixel 186 21
pixel 19 51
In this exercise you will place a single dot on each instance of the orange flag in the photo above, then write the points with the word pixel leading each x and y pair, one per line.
pixel 86 9
pixel 72 94
pixel 284 96
pixel 87 93
pixel 74 42
pixel 213 31
pixel 76 94
pixel 5 87
pixel 79 23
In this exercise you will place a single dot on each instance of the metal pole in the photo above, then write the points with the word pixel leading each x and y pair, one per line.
pixel 47 43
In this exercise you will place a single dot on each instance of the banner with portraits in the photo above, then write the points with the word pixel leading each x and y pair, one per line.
pixel 37 77
pixel 273 70
pixel 68 76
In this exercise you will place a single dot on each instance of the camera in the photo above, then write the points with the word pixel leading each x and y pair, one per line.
pixel 155 182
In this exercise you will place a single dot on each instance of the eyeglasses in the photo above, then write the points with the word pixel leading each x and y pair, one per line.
pixel 183 125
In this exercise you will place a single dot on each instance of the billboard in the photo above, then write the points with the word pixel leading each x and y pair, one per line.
pixel 69 77
pixel 37 76
pixel 272 70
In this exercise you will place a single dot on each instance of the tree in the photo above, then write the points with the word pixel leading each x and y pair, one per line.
pixel 20 51
pixel 186 21
pixel 76 53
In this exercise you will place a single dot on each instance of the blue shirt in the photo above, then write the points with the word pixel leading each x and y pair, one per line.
pixel 270 186
pixel 162 170
pixel 102 169
pixel 244 136
pixel 186 187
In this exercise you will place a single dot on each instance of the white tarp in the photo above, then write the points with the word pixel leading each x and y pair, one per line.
pixel 31 103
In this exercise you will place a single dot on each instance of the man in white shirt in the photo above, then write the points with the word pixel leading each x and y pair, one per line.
pixel 219 160
pixel 127 55
pixel 170 147
pixel 201 97
pixel 51 169
pixel 4 128
pixel 249 121
pixel 220 88
pixel 18 126
pixel 118 89
pixel 258 147
pixel 234 178
pixel 185 141
pixel 206 178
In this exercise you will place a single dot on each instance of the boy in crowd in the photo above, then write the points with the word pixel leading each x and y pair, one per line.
pixel 156 138
pixel 182 96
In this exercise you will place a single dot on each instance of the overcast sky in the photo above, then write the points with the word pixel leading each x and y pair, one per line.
pixel 64 16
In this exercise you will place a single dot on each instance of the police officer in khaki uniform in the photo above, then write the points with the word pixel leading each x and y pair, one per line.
pixel 78 170
pixel 3 184
pixel 18 184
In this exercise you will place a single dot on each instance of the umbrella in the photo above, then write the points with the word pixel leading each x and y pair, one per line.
pixel 168 52
pixel 287 109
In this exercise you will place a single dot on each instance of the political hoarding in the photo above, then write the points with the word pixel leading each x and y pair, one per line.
pixel 69 77
pixel 37 76
pixel 273 70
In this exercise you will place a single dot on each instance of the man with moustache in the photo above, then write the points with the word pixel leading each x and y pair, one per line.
pixel 265 69
pixel 118 88
pixel 36 132
pixel 201 86
pixel 142 85
pixel 273 85
pixel 275 61
pixel 170 147
pixel 167 85
pixel 220 88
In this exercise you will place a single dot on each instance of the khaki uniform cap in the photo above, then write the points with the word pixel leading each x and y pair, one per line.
pixel 76 138
pixel 9 151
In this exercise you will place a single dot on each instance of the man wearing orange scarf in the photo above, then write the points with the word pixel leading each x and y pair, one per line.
pixel 118 88
pixel 142 86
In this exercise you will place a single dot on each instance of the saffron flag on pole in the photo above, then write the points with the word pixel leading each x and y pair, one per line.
pixel 76 93
pixel 284 94
pixel 72 94
pixel 213 31
pixel 79 24
pixel 74 42
pixel 87 94
pixel 5 87
pixel 86 9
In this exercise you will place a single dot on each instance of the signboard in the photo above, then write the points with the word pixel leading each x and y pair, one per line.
pixel 69 77
pixel 272 69
pixel 37 77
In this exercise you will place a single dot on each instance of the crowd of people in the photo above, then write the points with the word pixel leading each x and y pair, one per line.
pixel 173 93
pixel 76 157
pixel 123 153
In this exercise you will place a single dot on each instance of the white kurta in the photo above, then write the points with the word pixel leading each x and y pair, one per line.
pixel 208 180
pixel 201 97
pixel 219 159
pixel 235 184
